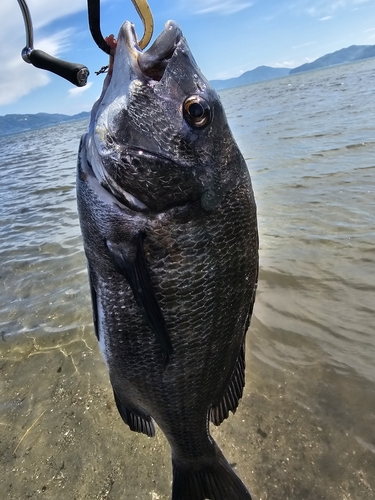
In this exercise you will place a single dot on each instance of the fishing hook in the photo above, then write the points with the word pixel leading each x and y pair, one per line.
pixel 73 72
pixel 143 9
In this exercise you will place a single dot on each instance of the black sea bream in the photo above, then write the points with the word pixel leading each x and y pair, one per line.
pixel 170 233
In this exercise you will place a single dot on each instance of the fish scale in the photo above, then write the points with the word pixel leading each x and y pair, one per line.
pixel 169 226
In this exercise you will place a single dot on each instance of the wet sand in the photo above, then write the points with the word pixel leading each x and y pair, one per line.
pixel 61 435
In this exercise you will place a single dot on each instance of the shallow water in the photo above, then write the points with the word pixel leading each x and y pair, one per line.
pixel 305 426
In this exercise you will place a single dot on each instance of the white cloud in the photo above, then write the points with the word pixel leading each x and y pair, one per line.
pixel 224 75
pixel 371 34
pixel 57 43
pixel 43 13
pixel 284 64
pixel 306 44
pixel 325 18
pixel 325 8
pixel 293 63
pixel 18 78
pixel 77 91
pixel 218 6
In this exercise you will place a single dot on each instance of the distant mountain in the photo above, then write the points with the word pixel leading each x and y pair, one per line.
pixel 13 124
pixel 350 54
pixel 255 75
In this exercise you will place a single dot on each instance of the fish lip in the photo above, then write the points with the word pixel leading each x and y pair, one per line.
pixel 128 37
pixel 126 53
pixel 153 62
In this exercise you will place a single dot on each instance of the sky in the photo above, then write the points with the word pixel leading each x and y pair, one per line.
pixel 227 37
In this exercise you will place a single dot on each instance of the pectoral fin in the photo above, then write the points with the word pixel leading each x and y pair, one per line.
pixel 130 260
pixel 94 301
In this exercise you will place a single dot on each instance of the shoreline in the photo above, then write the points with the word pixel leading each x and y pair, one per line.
pixel 60 431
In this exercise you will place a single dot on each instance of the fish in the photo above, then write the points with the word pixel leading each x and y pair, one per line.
pixel 169 226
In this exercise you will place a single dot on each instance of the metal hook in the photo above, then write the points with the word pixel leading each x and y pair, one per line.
pixel 145 14
pixel 143 9
pixel 73 72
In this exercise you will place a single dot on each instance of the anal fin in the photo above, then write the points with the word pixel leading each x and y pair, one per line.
pixel 233 392
pixel 137 421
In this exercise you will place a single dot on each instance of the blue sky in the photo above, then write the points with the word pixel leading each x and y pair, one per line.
pixel 226 38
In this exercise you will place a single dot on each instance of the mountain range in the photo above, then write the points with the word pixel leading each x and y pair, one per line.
pixel 13 124
pixel 258 74
pixel 349 54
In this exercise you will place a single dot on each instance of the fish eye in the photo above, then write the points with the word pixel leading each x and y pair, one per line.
pixel 197 112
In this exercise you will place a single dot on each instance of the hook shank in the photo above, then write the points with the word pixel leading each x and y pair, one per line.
pixel 144 12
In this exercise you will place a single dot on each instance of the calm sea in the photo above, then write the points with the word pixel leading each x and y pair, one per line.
pixel 305 428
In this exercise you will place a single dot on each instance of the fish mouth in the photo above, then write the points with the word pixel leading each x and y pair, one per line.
pixel 114 132
pixel 153 62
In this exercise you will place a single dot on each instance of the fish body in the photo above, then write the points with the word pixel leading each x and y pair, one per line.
pixel 169 226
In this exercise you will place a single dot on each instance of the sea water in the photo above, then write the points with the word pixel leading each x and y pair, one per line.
pixel 305 427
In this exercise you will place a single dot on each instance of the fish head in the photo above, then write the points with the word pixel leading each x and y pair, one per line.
pixel 159 132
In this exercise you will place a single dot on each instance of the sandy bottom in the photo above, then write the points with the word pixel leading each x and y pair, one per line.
pixel 62 438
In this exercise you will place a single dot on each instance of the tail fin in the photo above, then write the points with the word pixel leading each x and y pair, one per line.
pixel 214 481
